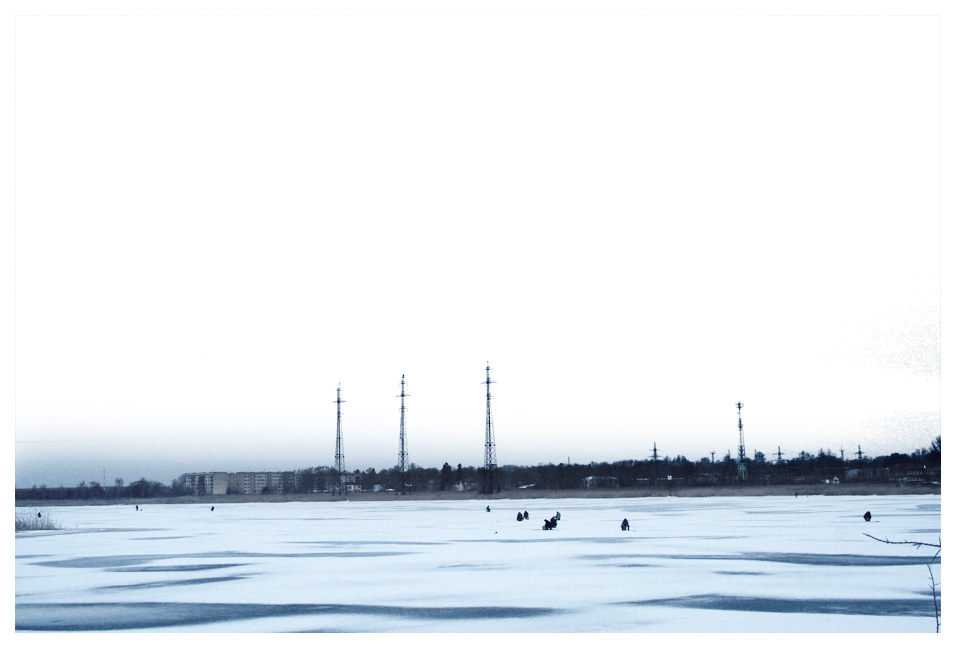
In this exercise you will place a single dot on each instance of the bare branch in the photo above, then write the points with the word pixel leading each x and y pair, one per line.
pixel 932 580
pixel 906 542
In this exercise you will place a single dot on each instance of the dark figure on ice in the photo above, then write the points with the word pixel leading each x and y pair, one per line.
pixel 867 516
pixel 212 508
pixel 137 507
pixel 39 514
pixel 526 515
pixel 625 525
pixel 547 525
pixel 557 516
pixel 554 521
pixel 488 508
pixel 520 517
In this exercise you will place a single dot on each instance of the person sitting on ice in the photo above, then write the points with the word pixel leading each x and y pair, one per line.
pixel 625 526
pixel 520 517
pixel 547 525
pixel 488 508
pixel 526 515
pixel 557 516
pixel 867 516
pixel 554 522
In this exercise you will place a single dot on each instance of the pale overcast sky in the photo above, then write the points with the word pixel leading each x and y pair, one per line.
pixel 636 220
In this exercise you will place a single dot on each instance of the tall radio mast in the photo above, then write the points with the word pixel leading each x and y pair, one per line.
pixel 741 452
pixel 490 477
pixel 402 447
pixel 339 487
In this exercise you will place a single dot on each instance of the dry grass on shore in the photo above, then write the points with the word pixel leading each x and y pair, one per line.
pixel 32 519
pixel 746 490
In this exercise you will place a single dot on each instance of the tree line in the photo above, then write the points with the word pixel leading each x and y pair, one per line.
pixel 140 489
pixel 663 471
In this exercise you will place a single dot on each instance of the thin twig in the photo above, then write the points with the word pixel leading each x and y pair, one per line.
pixel 906 542
pixel 933 581
pixel 939 547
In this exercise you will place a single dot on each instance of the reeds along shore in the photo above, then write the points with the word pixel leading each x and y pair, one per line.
pixel 743 490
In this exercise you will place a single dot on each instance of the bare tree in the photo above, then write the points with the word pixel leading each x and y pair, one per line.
pixel 929 565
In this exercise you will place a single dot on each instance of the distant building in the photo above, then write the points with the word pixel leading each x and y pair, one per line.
pixel 915 473
pixel 245 483
pixel 208 483
pixel 599 482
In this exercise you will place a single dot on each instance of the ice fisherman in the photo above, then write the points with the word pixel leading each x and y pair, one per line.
pixel 526 515
pixel 625 525
pixel 520 517
pixel 867 516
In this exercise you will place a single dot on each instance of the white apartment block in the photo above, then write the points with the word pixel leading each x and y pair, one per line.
pixel 247 483
pixel 208 483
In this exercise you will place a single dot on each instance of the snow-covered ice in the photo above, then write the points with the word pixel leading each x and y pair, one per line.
pixel 718 564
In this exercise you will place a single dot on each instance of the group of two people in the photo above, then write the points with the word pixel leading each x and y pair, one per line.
pixel 553 522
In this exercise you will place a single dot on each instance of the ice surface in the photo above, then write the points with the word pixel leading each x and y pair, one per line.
pixel 719 564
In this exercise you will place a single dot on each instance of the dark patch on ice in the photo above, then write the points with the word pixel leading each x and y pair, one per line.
pixel 740 573
pixel 634 565
pixel 106 562
pixel 100 617
pixel 176 568
pixel 834 560
pixel 551 536
pixel 50 532
pixel 830 560
pixel 872 607
pixel 352 543
pixel 322 554
pixel 164 538
pixel 171 583
pixel 466 566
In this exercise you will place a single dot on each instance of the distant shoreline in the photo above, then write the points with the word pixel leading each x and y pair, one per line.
pixel 755 490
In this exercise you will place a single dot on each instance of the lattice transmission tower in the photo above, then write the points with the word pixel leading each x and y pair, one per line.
pixel 339 485
pixel 490 476
pixel 402 446
pixel 741 451
pixel 655 457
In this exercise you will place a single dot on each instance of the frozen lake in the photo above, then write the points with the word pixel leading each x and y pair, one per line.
pixel 719 564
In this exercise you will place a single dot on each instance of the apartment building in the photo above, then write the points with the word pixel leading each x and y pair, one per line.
pixel 246 483
pixel 207 483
